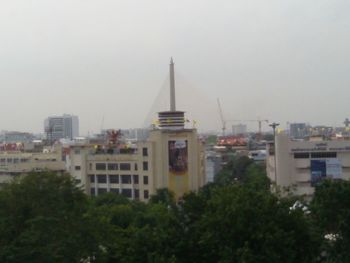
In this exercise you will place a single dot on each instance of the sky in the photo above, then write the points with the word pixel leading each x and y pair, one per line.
pixel 106 61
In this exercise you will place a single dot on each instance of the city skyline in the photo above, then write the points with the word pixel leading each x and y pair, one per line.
pixel 106 62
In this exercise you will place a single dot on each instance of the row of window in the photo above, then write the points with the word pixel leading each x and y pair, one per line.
pixel 116 166
pixel 144 151
pixel 125 192
pixel 13 160
pixel 115 179
pixel 306 155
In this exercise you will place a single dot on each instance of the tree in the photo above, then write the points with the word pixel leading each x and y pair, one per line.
pixel 42 219
pixel 241 224
pixel 330 209
pixel 163 196
pixel 243 169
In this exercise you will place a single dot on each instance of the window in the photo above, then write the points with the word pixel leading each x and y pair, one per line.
pixel 101 190
pixel 92 192
pixel 2 160
pixel 145 194
pixel 127 193
pixel 77 151
pixel 136 179
pixel 101 178
pixel 145 179
pixel 15 160
pixel 137 193
pixel 324 155
pixel 135 166
pixel 92 178
pixel 301 155
pixel 9 160
pixel 114 179
pixel 145 166
pixel 90 166
pixel 113 166
pixel 144 151
pixel 114 190
pixel 125 166
pixel 77 167
pixel 126 179
pixel 100 166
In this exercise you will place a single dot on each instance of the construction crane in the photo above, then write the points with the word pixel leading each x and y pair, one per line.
pixel 259 126
pixel 222 118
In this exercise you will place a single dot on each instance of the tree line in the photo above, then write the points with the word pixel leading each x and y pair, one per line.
pixel 46 217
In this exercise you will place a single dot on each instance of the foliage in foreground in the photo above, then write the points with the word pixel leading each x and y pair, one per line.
pixel 44 217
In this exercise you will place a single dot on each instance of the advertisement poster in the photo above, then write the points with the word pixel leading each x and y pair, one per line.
pixel 318 171
pixel 334 168
pixel 178 157
pixel 178 167
pixel 321 169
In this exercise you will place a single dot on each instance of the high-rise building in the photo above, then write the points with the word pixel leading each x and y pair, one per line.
pixel 298 130
pixel 61 127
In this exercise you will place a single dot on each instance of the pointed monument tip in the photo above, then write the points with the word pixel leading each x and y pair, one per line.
pixel 171 60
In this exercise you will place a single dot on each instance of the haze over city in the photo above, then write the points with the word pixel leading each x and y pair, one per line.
pixel 107 61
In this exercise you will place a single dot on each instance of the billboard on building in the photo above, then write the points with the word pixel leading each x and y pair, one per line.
pixel 328 168
pixel 178 167
pixel 178 157
pixel 334 168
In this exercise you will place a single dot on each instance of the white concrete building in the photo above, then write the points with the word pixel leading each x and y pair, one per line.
pixel 302 164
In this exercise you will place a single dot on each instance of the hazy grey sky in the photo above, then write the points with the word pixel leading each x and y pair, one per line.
pixel 281 60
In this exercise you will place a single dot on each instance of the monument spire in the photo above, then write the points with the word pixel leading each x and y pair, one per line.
pixel 172 119
pixel 172 86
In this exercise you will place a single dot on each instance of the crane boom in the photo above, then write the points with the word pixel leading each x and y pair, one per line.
pixel 223 122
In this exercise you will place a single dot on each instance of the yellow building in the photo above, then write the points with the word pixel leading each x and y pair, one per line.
pixel 172 157
pixel 17 163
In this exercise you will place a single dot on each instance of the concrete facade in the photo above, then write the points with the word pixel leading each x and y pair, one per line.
pixel 295 161
pixel 138 174
pixel 15 163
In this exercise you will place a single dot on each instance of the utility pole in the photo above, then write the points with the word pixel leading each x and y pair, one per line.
pixel 274 125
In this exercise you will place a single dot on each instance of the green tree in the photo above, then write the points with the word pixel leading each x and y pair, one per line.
pixel 163 196
pixel 42 219
pixel 241 224
pixel 330 209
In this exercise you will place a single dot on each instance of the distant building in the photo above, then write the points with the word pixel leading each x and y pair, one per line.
pixel 19 163
pixel 298 130
pixel 213 165
pixel 61 127
pixel 301 164
pixel 15 137
pixel 137 134
pixel 239 129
